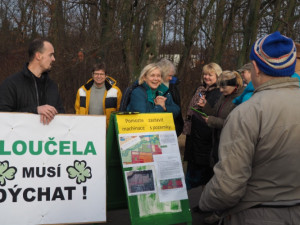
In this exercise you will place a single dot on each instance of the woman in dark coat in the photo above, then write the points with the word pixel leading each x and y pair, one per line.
pixel 231 86
pixel 198 135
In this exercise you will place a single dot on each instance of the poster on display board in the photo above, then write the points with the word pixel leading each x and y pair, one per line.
pixel 52 174
pixel 160 152
pixel 152 167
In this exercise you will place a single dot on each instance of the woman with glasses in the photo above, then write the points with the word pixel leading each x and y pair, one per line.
pixel 231 86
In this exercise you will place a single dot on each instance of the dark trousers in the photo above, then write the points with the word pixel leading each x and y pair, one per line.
pixel 197 175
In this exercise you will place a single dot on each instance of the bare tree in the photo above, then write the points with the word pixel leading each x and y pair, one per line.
pixel 57 23
pixel 191 29
pixel 152 31
pixel 128 22
pixel 252 11
pixel 129 34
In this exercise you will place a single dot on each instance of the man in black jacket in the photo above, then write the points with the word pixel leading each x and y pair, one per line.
pixel 31 90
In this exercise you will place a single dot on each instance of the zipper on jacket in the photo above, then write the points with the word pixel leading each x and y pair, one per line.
pixel 36 91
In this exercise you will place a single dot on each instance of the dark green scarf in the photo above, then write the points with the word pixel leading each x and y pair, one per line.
pixel 151 94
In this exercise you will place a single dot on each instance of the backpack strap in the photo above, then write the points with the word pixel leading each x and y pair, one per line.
pixel 127 94
pixel 125 99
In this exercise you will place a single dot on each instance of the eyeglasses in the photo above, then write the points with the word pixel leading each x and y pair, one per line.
pixel 99 74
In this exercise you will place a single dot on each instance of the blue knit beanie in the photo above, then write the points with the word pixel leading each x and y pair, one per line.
pixel 275 55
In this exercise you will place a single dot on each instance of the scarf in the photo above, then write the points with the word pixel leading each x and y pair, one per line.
pixel 159 91
pixel 203 89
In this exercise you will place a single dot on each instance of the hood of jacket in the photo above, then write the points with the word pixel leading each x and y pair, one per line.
pixel 109 82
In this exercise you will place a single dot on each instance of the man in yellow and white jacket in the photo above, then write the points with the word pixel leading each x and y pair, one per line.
pixel 99 96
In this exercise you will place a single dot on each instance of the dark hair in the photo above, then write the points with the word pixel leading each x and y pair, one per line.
pixel 99 66
pixel 35 46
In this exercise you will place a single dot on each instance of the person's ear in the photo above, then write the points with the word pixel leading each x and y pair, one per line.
pixel 38 55
pixel 256 69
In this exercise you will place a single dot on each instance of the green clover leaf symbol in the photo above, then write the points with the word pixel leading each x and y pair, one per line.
pixel 6 172
pixel 79 171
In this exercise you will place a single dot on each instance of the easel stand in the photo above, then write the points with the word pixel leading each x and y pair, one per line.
pixel 172 212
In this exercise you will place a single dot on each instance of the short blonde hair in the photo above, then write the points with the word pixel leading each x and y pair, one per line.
pixel 148 69
pixel 211 68
pixel 228 75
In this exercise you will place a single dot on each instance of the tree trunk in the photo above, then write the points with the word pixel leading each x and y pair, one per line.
pixel 34 33
pixel 93 30
pixel 107 10
pixel 250 31
pixel 290 19
pixel 152 32
pixel 216 57
pixel 276 23
pixel 57 25
pixel 128 19
pixel 229 31
pixel 191 31
pixel 22 23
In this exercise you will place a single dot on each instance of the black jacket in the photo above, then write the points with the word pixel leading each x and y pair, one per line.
pixel 19 93
pixel 174 90
pixel 198 144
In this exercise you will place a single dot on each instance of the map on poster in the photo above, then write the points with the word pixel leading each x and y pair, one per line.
pixel 141 148
pixel 151 158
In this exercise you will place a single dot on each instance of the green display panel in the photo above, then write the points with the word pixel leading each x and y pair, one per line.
pixel 116 194
pixel 132 169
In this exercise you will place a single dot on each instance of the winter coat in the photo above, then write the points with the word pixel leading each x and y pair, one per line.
pixel 199 140
pixel 250 89
pixel 259 152
pixel 247 93
pixel 111 99
pixel 295 75
pixel 174 90
pixel 19 93
pixel 220 112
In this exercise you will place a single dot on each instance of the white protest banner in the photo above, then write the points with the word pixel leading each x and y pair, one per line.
pixel 51 174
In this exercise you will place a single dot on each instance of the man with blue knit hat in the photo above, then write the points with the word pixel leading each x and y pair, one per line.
pixel 256 180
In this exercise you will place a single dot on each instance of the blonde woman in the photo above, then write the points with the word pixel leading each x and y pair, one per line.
pixel 151 95
pixel 198 135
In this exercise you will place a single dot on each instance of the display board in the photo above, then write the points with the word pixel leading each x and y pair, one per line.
pixel 152 169
pixel 52 174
